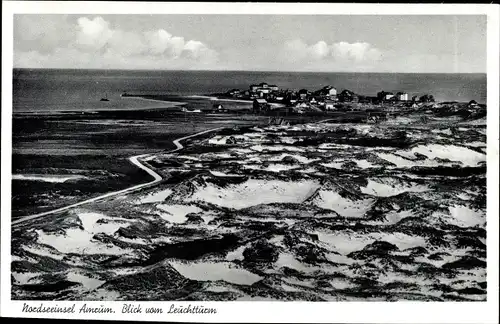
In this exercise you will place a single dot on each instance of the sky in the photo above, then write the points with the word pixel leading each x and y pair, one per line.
pixel 319 43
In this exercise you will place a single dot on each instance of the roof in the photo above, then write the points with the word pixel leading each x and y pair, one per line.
pixel 261 100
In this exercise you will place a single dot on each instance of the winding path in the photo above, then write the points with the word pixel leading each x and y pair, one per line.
pixel 134 160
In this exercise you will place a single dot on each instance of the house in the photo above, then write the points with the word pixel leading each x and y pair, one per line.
pixel 327 91
pixel 402 96
pixel 330 105
pixel 302 105
pixel 273 87
pixel 234 92
pixel 263 92
pixel 263 85
pixel 254 87
pixel 383 95
pixel 260 105
pixel 303 93
pixel 348 96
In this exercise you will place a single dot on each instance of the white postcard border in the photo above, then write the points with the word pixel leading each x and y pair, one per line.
pixel 320 312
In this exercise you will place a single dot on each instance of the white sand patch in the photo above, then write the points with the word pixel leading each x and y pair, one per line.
pixel 86 281
pixel 217 140
pixel 308 170
pixel 299 158
pixel 252 167
pixel 288 260
pixel 288 288
pixel 140 241
pixel 304 283
pixel 222 174
pixel 80 241
pixel 177 213
pixel 476 144
pixel 399 161
pixel 451 152
pixel 155 197
pixel 333 165
pixel 375 188
pixel 339 258
pixel 346 243
pixel 364 164
pixel 236 254
pixel 331 146
pixel 262 148
pixel 217 287
pixel 276 167
pixel 42 251
pixel 406 154
pixel 481 131
pixel 343 206
pixel 464 196
pixel 467 217
pixel 55 178
pixel 15 258
pixel 442 131
pixel 187 157
pixel 379 148
pixel 288 140
pixel 341 284
pixel 209 271
pixel 91 224
pixel 242 150
pixel 254 192
pixel 401 240
pixel 393 217
pixel 23 278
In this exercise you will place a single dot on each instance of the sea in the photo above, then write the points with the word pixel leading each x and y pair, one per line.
pixel 53 90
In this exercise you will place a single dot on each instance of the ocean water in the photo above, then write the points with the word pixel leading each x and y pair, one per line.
pixel 58 90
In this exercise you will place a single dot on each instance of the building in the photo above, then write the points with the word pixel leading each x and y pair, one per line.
pixel 347 96
pixel 327 91
pixel 383 95
pixel 263 85
pixel 254 87
pixel 234 92
pixel 402 96
pixel 330 105
pixel 263 92
pixel 260 105
pixel 303 93
pixel 273 87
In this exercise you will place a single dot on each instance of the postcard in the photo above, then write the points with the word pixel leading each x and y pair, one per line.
pixel 250 162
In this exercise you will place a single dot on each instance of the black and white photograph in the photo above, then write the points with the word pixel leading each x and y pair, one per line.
pixel 249 156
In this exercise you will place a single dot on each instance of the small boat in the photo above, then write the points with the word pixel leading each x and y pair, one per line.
pixel 105 98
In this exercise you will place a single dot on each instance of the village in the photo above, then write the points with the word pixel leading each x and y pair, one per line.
pixel 271 100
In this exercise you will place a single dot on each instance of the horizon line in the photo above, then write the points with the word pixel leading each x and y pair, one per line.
pixel 260 71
